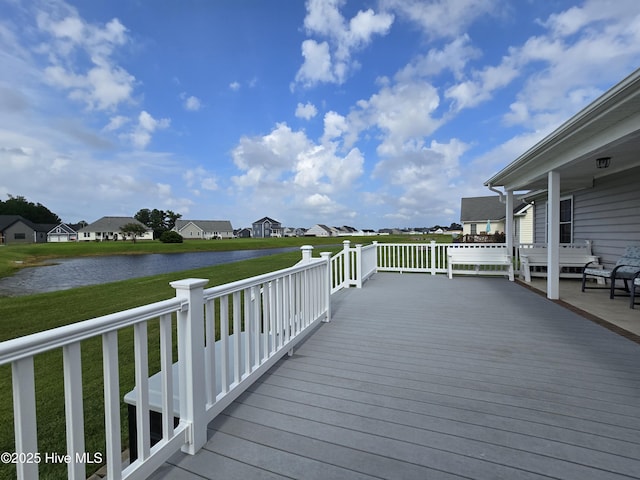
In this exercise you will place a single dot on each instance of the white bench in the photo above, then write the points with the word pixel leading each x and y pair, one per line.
pixel 476 255
pixel 572 260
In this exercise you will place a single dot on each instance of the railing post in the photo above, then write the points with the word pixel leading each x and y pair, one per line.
pixel 191 359
pixel 346 249
pixel 432 256
pixel 307 251
pixel 326 256
pixel 358 266
pixel 375 244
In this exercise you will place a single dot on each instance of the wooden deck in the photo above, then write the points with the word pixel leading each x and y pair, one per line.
pixel 421 377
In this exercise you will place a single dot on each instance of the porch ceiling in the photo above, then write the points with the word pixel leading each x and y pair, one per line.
pixel 609 127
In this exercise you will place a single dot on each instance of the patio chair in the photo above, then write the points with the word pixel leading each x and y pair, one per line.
pixel 635 283
pixel 626 268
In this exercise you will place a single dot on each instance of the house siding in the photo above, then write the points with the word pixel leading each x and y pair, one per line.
pixel 608 215
pixel 540 222
pixel 191 231
pixel 19 233
pixel 524 227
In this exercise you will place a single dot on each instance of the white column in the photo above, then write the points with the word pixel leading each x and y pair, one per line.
pixel 553 236
pixel 508 227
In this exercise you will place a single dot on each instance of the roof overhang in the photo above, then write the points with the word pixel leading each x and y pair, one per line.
pixel 608 127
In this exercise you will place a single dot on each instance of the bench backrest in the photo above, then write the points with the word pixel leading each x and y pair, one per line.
pixel 498 252
pixel 581 254
pixel 630 258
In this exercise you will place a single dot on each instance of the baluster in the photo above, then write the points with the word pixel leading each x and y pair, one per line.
pixel 224 339
pixel 166 375
pixel 210 351
pixel 74 410
pixel 237 354
pixel 256 319
pixel 248 330
pixel 24 411
pixel 266 330
pixel 112 404
pixel 142 388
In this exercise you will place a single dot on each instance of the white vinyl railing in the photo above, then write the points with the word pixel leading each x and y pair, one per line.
pixel 227 336
pixel 412 257
pixel 255 322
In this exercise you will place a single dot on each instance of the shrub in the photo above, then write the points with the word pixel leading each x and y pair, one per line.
pixel 171 237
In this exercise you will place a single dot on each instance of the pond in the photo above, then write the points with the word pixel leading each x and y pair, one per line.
pixel 77 272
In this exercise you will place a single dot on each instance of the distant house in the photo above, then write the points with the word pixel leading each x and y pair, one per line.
pixel 320 230
pixel 293 232
pixel 62 233
pixel 204 229
pixel 16 229
pixel 108 228
pixel 242 233
pixel 347 230
pixel 477 214
pixel 266 227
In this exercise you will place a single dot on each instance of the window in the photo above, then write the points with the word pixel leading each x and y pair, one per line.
pixel 474 229
pixel 566 220
pixel 20 236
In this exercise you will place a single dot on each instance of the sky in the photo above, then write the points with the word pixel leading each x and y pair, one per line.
pixel 373 114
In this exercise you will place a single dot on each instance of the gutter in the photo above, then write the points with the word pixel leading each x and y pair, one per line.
pixel 493 189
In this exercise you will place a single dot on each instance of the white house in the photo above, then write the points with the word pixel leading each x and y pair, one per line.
pixel 62 233
pixel 108 228
pixel 204 229
pixel 319 230
pixel 479 213
pixel 584 179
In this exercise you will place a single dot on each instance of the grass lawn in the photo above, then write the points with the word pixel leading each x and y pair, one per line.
pixel 24 315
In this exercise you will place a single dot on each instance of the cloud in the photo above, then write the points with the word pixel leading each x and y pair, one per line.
pixel 306 111
pixel 141 134
pixel 235 86
pixel 200 179
pixel 116 122
pixel 190 103
pixel 443 18
pixel 96 80
pixel 329 61
pixel 287 168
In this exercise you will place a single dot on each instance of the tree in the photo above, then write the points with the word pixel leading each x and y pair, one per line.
pixel 171 237
pixel 157 220
pixel 133 230
pixel 36 213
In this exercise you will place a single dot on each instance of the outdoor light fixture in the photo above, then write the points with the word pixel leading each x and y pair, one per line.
pixel 603 162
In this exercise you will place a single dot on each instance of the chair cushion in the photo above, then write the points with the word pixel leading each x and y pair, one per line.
pixel 627 271
pixel 598 272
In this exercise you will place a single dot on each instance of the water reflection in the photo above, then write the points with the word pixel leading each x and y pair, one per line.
pixel 77 272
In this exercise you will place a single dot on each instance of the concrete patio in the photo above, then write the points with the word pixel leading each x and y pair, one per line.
pixel 596 305
pixel 419 376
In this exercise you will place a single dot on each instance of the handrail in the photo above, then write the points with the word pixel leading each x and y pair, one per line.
pixel 40 342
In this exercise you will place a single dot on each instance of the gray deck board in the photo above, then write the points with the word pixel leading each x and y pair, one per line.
pixel 419 376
